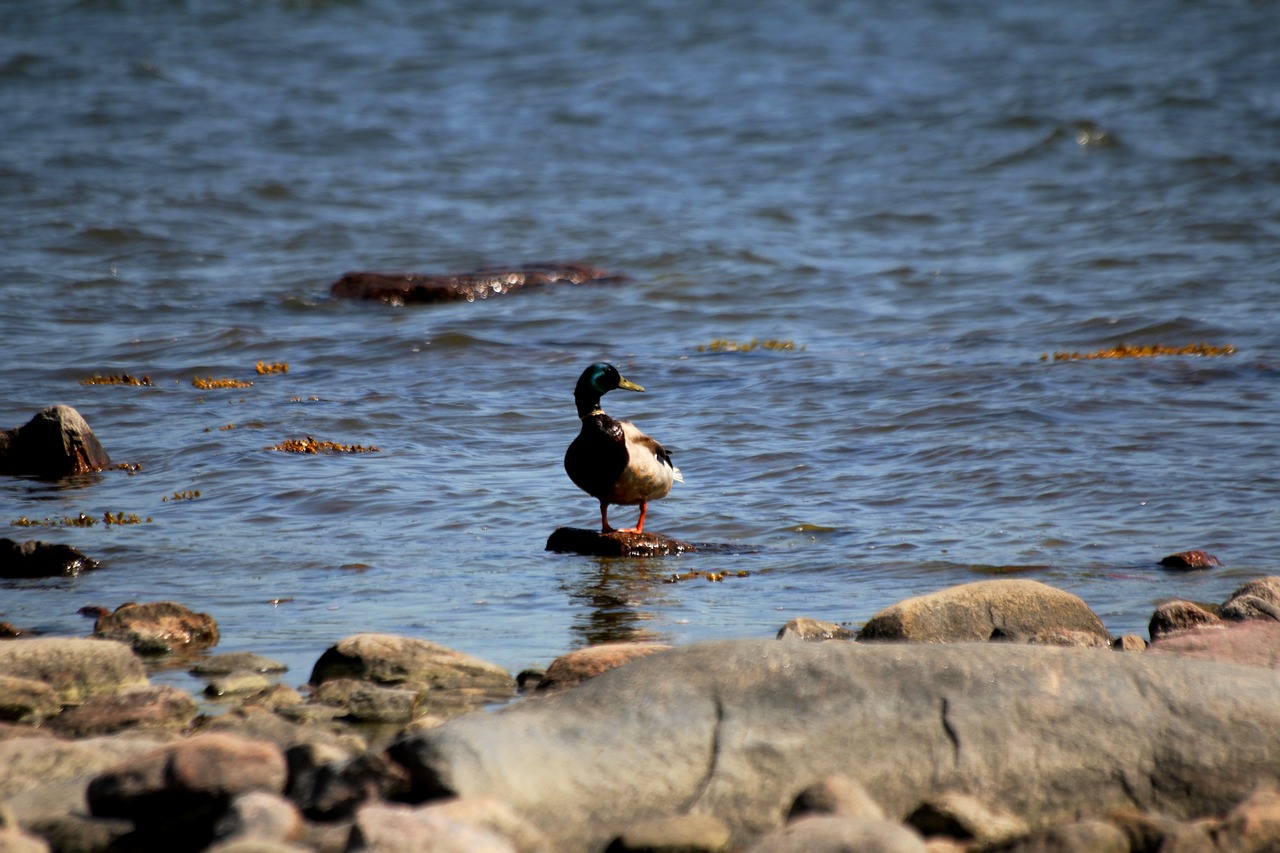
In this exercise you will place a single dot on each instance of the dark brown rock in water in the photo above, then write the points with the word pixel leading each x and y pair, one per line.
pixel 33 559
pixel 615 544
pixel 419 288
pixel 1186 560
pixel 56 443
pixel 158 627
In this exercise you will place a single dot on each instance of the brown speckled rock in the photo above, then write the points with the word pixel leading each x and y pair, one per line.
pixel 577 666
pixel 155 707
pixel 158 627
pixel 1173 617
pixel 1188 560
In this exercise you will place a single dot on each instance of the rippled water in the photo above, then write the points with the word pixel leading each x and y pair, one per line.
pixel 923 200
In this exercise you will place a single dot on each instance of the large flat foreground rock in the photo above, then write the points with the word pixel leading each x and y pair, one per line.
pixel 735 729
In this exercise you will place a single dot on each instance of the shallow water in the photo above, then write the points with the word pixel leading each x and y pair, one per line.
pixel 924 202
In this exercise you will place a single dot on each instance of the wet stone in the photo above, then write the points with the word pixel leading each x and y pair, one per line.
pixel 616 544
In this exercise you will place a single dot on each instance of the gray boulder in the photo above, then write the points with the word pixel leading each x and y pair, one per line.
pixel 445 681
pixel 736 729
pixel 1012 610
pixel 38 760
pixel 1257 599
pixel 77 669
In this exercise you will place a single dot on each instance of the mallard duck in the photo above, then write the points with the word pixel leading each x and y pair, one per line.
pixel 611 460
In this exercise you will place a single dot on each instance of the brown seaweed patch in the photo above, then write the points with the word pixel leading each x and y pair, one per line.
pixel 311 445
pixel 208 383
pixel 120 379
pixel 276 367
pixel 81 520
pixel 129 468
pixel 109 518
pixel 773 344
pixel 1144 351
pixel 187 495
pixel 713 577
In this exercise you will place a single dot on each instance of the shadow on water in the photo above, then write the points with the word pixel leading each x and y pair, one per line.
pixel 615 596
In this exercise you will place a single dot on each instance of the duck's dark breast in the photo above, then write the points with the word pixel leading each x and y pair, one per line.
pixel 597 457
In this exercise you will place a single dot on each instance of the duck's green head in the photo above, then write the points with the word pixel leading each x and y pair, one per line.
pixel 605 377
pixel 597 380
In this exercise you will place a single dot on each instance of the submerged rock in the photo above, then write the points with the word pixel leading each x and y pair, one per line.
pixel 35 559
pixel 1012 610
pixel 419 288
pixel 56 443
pixel 615 544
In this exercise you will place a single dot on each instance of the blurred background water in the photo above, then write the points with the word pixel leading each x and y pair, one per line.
pixel 924 200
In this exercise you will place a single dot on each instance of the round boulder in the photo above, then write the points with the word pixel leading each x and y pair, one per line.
pixel 1012 610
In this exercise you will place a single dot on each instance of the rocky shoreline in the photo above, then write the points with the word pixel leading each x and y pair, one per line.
pixel 994 716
